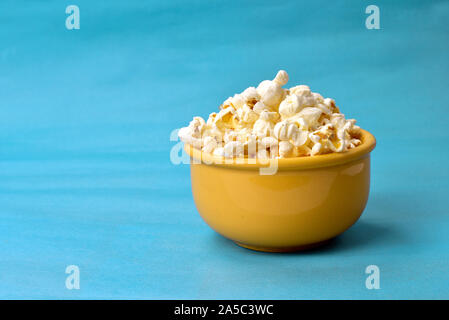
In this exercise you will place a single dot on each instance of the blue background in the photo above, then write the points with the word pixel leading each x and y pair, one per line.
pixel 85 120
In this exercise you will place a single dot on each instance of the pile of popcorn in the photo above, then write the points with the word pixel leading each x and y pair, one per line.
pixel 272 122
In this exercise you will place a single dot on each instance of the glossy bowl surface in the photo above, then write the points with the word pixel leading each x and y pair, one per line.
pixel 308 201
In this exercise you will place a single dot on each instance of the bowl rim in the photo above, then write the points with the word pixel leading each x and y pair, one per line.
pixel 324 160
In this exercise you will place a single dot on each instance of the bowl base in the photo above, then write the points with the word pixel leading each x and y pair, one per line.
pixel 284 249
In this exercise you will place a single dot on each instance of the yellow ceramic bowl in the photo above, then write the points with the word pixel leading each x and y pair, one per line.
pixel 307 202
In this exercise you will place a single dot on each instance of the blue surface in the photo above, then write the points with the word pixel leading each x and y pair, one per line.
pixel 85 119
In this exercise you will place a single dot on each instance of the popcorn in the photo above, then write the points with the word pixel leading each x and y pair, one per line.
pixel 209 144
pixel 263 154
pixel 219 152
pixel 247 115
pixel 305 97
pixel 224 119
pixel 310 115
pixel 315 149
pixel 250 146
pixel 285 149
pixel 269 142
pixel 272 122
pixel 269 116
pixel 259 107
pixel 314 138
pixel 186 135
pixel 197 126
pixel 290 106
pixel 237 101
pixel 230 136
pixel 300 138
pixel 263 127
pixel 251 96
pixel 285 130
pixel 271 92
pixel 212 130
pixel 281 78
pixel 299 90
pixel 233 149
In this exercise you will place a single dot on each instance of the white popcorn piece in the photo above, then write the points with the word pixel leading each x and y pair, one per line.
pixel 244 134
pixel 328 102
pixel 230 136
pixel 354 143
pixel 187 135
pixel 281 78
pixel 325 130
pixel 303 151
pixel 268 142
pixel 209 144
pixel 338 120
pixel 300 122
pixel 299 90
pixel 213 131
pixel 236 101
pixel 225 115
pixel 290 106
pixel 310 115
pixel 274 152
pixel 263 154
pixel 324 108
pixel 259 107
pixel 285 130
pixel 269 116
pixel 262 128
pixel 305 97
pixel 233 149
pixel 271 92
pixel 285 149
pixel 247 115
pixel 197 125
pixel 211 120
pixel 250 94
pixel 341 135
pixel 318 98
pixel 315 149
pixel 219 152
pixel 250 146
pixel 300 138
pixel 315 138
